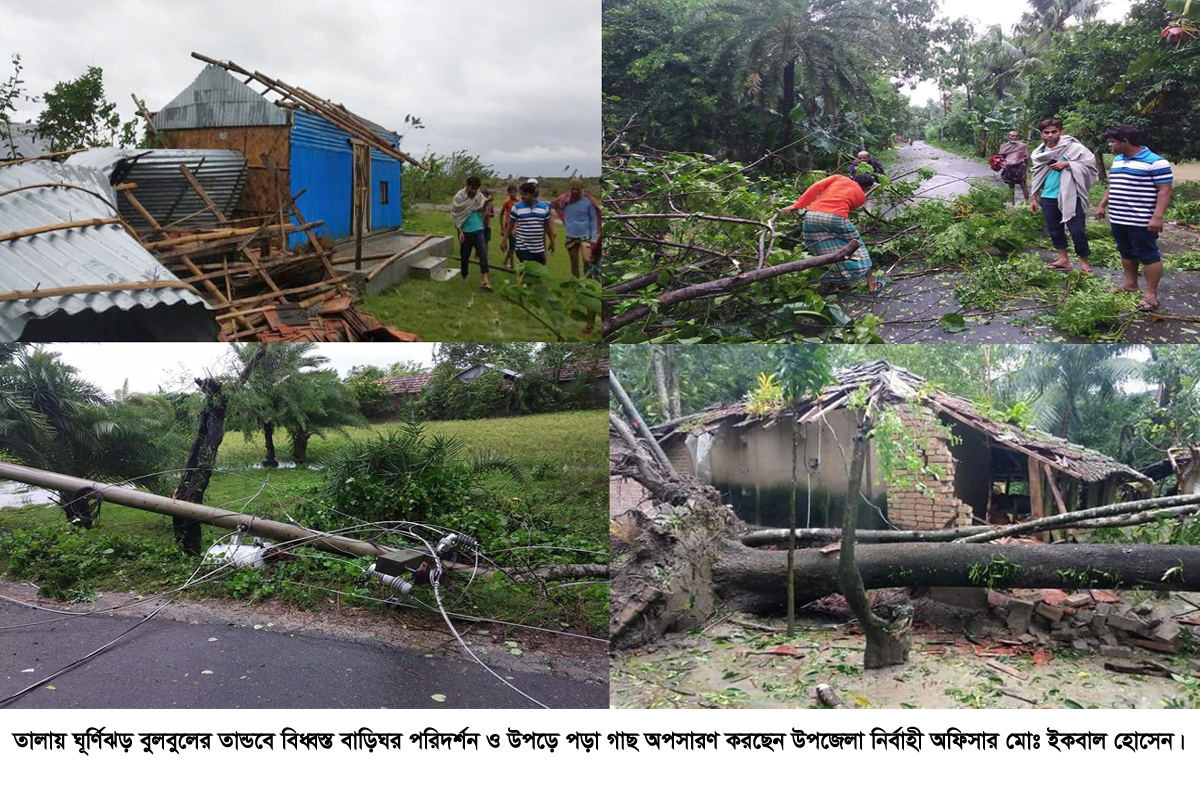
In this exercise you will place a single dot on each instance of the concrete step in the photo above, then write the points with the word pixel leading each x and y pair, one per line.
pixel 432 268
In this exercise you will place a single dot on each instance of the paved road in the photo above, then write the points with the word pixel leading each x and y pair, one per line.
pixel 954 173
pixel 173 663
pixel 926 297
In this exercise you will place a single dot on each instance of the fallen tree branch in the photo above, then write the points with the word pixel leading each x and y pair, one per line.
pixel 812 536
pixel 725 286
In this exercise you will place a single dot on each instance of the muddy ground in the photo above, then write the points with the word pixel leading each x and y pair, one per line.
pixel 912 307
pixel 727 665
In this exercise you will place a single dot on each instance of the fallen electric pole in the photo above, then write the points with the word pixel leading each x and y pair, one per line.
pixel 208 515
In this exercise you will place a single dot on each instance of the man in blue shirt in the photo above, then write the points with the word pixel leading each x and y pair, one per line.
pixel 581 217
pixel 1139 190
pixel 531 225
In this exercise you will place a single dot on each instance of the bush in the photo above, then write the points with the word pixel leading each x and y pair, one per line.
pixel 402 474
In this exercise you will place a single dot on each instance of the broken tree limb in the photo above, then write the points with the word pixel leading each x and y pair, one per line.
pixel 888 640
pixel 814 536
pixel 197 513
pixel 724 286
pixel 1067 520
pixel 752 580
pixel 643 430
pixel 210 431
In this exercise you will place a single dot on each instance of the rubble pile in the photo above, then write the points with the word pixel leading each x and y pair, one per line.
pixel 1090 621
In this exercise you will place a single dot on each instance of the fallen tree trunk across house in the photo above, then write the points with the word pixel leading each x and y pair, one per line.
pixel 752 580
pixel 675 564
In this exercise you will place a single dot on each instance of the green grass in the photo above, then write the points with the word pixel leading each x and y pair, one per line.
pixel 457 311
pixel 561 500
pixel 571 435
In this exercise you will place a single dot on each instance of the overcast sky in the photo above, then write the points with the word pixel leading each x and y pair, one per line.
pixel 517 85
pixel 174 365
pixel 993 12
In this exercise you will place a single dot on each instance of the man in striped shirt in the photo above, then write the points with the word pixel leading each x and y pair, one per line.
pixel 1139 190
pixel 531 224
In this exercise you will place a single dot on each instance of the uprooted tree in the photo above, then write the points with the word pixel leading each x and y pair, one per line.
pixel 677 560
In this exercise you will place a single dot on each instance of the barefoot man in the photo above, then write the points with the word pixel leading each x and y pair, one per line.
pixel 1015 153
pixel 1139 190
pixel 1063 172
pixel 467 209
pixel 827 228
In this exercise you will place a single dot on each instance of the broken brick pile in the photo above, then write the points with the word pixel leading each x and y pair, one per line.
pixel 1089 621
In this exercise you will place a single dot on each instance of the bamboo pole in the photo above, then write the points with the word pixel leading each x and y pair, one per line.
pixel 373 274
pixel 60 226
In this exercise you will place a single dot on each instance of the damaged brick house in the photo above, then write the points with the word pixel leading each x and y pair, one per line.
pixel 991 470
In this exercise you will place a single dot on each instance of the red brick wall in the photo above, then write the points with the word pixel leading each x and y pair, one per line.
pixel 935 506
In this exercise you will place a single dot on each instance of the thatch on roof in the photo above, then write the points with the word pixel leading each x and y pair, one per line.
pixel 895 384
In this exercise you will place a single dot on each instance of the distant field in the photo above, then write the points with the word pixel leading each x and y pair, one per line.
pixel 1187 172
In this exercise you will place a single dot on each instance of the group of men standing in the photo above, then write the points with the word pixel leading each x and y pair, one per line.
pixel 526 226
pixel 1063 172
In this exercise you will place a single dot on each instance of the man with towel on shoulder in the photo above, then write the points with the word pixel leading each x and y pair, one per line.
pixel 1063 173
pixel 467 212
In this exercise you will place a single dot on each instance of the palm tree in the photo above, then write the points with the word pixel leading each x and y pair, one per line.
pixel 51 419
pixel 274 395
pixel 1048 17
pixel 1060 376
pixel 825 40
pixel 327 405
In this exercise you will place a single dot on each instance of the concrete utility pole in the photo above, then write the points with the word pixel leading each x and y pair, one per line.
pixel 218 517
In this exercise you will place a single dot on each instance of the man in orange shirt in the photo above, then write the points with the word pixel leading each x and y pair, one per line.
pixel 827 227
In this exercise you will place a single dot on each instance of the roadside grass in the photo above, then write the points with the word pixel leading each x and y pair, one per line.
pixel 560 502
pixel 455 310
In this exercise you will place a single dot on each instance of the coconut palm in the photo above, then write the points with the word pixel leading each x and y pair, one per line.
pixel 52 419
pixel 1059 377
pixel 327 405
pixel 821 41
pixel 275 394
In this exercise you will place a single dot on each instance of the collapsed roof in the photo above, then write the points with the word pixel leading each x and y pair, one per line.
pixel 895 384
pixel 71 270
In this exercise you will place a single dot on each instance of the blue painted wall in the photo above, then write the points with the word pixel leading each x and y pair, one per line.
pixel 322 163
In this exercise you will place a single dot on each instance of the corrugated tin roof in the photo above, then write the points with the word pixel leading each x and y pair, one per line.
pixel 161 187
pixel 21 140
pixel 215 99
pixel 79 256
pixel 897 384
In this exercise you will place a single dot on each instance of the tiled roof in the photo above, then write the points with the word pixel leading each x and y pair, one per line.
pixel 577 368
pixel 405 385
pixel 895 384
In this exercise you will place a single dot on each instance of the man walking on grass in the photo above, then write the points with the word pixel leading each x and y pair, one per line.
pixel 580 214
pixel 510 255
pixel 1063 173
pixel 1139 190
pixel 1015 153
pixel 531 225
pixel 467 209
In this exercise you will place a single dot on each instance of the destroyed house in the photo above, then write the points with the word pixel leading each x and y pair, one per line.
pixel 297 145
pixel 990 470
